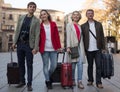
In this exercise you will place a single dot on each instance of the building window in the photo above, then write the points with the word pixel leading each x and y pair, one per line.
pixel 3 22
pixel 10 38
pixel 3 15
pixel 10 27
pixel 10 17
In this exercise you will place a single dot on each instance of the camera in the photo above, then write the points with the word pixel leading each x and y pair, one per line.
pixel 24 35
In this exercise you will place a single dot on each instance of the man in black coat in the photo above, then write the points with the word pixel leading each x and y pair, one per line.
pixel 93 38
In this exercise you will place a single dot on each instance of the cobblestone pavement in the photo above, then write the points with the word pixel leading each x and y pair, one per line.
pixel 110 85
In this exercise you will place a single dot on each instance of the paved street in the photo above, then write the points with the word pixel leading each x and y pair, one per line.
pixel 110 85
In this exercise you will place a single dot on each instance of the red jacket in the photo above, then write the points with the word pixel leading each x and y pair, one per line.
pixel 54 37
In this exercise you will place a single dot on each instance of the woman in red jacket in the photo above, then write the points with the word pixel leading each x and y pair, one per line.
pixel 49 45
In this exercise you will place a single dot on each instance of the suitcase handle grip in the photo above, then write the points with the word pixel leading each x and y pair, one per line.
pixel 63 56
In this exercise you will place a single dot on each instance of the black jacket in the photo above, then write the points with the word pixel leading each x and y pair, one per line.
pixel 99 35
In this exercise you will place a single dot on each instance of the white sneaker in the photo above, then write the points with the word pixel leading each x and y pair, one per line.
pixel 80 85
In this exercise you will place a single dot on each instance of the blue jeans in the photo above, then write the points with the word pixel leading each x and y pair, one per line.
pixel 52 55
pixel 79 70
pixel 24 51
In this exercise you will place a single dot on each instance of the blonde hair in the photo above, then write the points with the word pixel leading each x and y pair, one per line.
pixel 78 13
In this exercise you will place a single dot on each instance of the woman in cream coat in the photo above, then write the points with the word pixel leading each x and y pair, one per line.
pixel 75 38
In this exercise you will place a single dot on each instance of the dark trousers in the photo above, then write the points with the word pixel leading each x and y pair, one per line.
pixel 25 52
pixel 91 56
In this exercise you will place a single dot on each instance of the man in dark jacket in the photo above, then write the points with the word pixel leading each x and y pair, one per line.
pixel 27 41
pixel 93 38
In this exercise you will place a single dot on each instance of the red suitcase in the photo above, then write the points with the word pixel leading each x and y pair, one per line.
pixel 66 75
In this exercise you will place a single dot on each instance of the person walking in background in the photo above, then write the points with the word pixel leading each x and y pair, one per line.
pixel 93 37
pixel 49 45
pixel 74 38
pixel 27 41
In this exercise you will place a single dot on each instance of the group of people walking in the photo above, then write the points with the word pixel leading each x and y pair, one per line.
pixel 32 36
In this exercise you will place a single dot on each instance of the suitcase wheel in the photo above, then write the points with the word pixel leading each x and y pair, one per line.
pixel 67 87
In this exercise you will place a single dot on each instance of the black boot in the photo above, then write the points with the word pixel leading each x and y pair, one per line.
pixel 48 84
pixel 51 80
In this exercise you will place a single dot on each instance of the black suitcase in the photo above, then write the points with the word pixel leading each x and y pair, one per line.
pixel 56 76
pixel 107 65
pixel 13 72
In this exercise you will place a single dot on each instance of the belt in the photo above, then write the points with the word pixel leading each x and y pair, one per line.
pixel 24 42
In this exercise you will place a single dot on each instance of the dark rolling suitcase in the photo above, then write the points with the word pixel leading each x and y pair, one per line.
pixel 55 77
pixel 107 65
pixel 13 72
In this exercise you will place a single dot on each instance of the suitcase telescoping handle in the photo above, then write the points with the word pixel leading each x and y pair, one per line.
pixel 63 56
pixel 11 55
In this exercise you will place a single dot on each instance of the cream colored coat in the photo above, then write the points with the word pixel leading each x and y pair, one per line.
pixel 72 41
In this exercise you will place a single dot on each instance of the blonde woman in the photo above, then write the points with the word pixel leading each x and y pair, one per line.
pixel 74 38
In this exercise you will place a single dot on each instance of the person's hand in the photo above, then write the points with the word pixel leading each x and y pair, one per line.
pixel 34 51
pixel 60 50
pixel 104 51
pixel 13 46
pixel 68 50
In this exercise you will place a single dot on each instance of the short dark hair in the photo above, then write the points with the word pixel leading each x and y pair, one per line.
pixel 90 10
pixel 32 3
pixel 49 16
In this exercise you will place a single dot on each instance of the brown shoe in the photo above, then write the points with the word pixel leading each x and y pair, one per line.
pixel 80 85
pixel 99 86
pixel 90 83
pixel 29 88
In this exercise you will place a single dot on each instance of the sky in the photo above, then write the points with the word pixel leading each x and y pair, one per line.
pixel 66 6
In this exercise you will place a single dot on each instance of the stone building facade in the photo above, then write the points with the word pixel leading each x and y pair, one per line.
pixel 8 23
